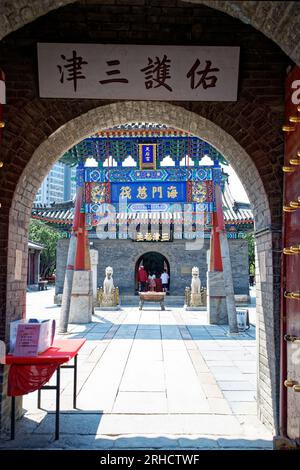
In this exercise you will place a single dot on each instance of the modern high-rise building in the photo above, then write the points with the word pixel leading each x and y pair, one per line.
pixel 58 186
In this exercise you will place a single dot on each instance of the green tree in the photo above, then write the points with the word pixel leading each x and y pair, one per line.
pixel 251 252
pixel 41 233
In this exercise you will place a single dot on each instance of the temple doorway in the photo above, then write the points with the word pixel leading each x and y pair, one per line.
pixel 154 263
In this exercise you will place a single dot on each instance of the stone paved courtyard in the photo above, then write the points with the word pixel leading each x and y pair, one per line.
pixel 150 379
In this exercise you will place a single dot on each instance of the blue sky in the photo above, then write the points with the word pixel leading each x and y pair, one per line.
pixel 236 187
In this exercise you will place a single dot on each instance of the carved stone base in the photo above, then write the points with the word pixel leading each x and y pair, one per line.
pixel 107 301
pixel 217 311
pixel 57 299
pixel 217 307
pixel 195 301
pixel 81 307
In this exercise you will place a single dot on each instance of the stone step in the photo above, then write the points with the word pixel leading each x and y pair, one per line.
pixel 176 300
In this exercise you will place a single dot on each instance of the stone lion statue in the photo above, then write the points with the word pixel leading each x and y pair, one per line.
pixel 108 284
pixel 195 284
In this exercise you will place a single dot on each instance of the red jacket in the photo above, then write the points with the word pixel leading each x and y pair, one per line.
pixel 142 275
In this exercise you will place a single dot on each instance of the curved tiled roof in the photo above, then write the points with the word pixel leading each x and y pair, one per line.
pixel 235 212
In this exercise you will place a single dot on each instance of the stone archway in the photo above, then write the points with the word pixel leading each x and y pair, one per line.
pixel 276 20
pixel 50 150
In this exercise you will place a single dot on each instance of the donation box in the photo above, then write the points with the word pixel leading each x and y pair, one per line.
pixel 31 337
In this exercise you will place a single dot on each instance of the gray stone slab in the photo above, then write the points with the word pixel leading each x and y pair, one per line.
pixel 245 444
pixel 143 379
pixel 71 423
pixel 24 442
pixel 142 442
pixel 244 355
pixel 132 348
pixel 211 390
pixel 148 334
pixel 239 385
pixel 206 378
pixel 142 326
pixel 219 363
pixel 141 402
pixel 244 408
pixel 200 336
pixel 198 443
pixel 222 425
pixel 226 373
pixel 247 367
pixel 240 395
pixel 212 355
pixel 252 378
pixel 87 442
pixel 207 345
pixel 219 406
pixel 97 336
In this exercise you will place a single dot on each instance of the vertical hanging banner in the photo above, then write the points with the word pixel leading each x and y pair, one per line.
pixel 147 156
pixel 145 72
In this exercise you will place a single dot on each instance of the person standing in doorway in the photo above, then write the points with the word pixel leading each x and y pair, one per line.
pixel 151 281
pixel 165 280
pixel 142 278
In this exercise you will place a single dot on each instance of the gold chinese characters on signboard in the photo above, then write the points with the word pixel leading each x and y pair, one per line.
pixel 152 237
pixel 147 156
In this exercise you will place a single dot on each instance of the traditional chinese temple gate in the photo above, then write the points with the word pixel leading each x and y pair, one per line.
pixel 125 202
pixel 38 131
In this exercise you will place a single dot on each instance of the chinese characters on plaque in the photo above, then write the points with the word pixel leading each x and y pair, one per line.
pixel 191 73
pixel 148 192
pixel 147 156
pixel 153 237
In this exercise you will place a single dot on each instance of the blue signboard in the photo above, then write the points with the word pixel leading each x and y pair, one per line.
pixel 147 156
pixel 148 192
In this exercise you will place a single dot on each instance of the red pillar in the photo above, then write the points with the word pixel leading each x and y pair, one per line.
pixel 82 257
pixel 218 225
pixel 215 246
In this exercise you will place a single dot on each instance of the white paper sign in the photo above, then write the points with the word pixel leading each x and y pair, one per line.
pixel 189 73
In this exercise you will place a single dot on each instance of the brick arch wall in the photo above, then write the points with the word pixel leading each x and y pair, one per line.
pixel 252 124
pixel 67 134
pixel 277 20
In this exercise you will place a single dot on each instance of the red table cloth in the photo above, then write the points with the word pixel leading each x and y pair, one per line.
pixel 29 373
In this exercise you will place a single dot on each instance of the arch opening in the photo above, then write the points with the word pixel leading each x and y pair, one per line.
pixel 72 132
pixel 155 264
